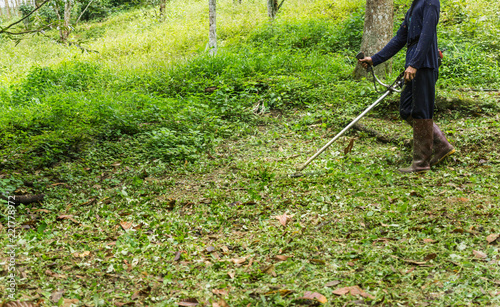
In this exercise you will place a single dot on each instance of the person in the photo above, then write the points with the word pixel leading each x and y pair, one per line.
pixel 418 33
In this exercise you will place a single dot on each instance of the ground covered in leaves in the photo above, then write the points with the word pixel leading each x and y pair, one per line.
pixel 236 229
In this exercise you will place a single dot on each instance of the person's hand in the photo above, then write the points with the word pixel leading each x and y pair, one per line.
pixel 365 62
pixel 410 73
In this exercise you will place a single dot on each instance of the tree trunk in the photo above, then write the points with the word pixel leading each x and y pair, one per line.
pixel 272 8
pixel 212 34
pixel 378 31
pixel 162 8
pixel 7 7
pixel 64 21
pixel 163 5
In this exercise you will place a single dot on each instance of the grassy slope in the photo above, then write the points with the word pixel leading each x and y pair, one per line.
pixel 355 220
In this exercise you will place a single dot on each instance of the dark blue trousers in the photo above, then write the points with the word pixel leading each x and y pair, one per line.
pixel 419 95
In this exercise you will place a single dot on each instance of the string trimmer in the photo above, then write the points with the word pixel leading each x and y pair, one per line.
pixel 396 86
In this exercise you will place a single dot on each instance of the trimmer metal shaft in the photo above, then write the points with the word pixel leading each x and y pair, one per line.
pixel 390 89
pixel 373 105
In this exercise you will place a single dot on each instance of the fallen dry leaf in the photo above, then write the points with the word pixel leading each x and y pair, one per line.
pixel 126 225
pixel 420 263
pixel 353 290
pixel 70 302
pixel 318 261
pixel 177 256
pixel 56 296
pixel 332 283
pixel 231 275
pixel 41 210
pixel 221 292
pixel 239 261
pixel 59 183
pixel 283 218
pixel 269 269
pixel 479 255
pixel 81 255
pixel 429 241
pixel 67 217
pixel 492 238
pixel 188 302
pixel 349 147
pixel 141 293
pixel 221 303
pixel 283 292
pixel 315 296
pixel 55 275
pixel 282 257
pixel 430 257
pixel 19 304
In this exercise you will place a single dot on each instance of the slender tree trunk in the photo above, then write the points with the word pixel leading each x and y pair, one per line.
pixel 378 31
pixel 68 6
pixel 272 8
pixel 212 36
pixel 7 7
pixel 64 21
pixel 162 8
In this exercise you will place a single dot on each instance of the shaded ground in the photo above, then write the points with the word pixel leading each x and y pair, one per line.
pixel 114 230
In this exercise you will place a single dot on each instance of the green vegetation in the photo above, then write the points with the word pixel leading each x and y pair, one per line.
pixel 195 152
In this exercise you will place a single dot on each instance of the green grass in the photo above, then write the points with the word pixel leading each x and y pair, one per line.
pixel 137 133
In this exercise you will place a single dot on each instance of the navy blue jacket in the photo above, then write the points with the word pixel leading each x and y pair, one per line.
pixel 420 31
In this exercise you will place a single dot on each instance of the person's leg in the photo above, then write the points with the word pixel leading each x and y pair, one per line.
pixel 417 108
pixel 442 148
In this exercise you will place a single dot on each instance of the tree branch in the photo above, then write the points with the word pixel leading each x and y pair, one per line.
pixel 279 6
pixel 3 30
pixel 83 12
pixel 27 32
pixel 382 138
pixel 24 199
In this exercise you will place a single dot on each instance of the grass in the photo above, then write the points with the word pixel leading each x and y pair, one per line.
pixel 160 188
pixel 355 221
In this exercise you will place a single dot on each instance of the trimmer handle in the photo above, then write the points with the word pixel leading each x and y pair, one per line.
pixel 361 56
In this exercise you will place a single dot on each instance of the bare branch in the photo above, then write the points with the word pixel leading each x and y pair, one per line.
pixel 279 6
pixel 381 137
pixel 83 12
pixel 3 30
pixel 28 32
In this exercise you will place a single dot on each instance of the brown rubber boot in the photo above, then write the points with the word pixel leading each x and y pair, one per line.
pixel 442 148
pixel 422 146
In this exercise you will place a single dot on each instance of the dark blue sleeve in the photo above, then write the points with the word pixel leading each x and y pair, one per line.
pixel 397 43
pixel 430 21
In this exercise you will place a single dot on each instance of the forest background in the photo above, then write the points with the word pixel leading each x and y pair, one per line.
pixel 164 170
